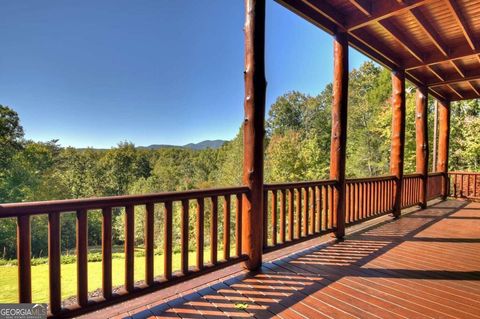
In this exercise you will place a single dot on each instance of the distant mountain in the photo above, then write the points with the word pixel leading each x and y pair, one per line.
pixel 194 146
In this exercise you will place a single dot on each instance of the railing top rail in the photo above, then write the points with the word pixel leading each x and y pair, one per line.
pixel 274 186
pixel 464 173
pixel 67 205
pixel 370 179
pixel 412 175
pixel 435 174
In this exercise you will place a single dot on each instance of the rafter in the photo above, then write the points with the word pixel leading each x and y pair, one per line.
pixel 455 91
pixel 364 6
pixel 327 11
pixel 457 68
pixel 435 91
pixel 457 15
pixel 435 72
pixel 402 39
pixel 473 88
pixel 429 30
pixel 382 10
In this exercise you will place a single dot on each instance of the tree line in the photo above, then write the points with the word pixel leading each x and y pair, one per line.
pixel 297 147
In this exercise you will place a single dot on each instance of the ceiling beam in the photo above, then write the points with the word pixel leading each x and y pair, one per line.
pixel 455 54
pixel 364 6
pixel 458 16
pixel 429 30
pixel 381 10
pixel 456 79
pixel 402 39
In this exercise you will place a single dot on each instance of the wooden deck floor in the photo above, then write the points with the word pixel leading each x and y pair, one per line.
pixel 425 265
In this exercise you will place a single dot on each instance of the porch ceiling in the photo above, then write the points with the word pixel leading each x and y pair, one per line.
pixel 435 41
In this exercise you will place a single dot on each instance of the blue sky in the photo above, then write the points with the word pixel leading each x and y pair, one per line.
pixel 94 73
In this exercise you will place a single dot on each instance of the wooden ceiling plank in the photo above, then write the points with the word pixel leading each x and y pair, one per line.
pixel 381 10
pixel 429 30
pixel 402 39
pixel 457 15
pixel 364 6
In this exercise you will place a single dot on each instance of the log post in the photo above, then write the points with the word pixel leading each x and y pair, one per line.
pixel 398 136
pixel 254 132
pixel 339 128
pixel 443 143
pixel 421 126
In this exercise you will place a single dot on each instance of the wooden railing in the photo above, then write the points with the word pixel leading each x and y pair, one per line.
pixel 465 185
pixel 186 201
pixel 293 212
pixel 411 195
pixel 297 211
pixel 434 185
pixel 368 197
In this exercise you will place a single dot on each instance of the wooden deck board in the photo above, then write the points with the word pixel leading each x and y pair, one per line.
pixel 424 265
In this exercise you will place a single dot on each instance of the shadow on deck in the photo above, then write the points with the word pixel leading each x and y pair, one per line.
pixel 424 265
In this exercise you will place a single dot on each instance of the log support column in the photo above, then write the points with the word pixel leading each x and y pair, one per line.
pixel 421 126
pixel 339 128
pixel 254 132
pixel 398 136
pixel 443 143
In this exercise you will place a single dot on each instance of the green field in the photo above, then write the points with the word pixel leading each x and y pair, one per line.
pixel 40 287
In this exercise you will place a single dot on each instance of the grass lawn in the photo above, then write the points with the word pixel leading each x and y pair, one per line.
pixel 40 287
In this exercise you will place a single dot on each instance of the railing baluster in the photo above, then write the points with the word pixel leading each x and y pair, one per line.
pixel 23 257
pixel 299 213
pixel 330 206
pixel 129 247
pixel 313 207
pixel 274 217
pixel 305 211
pixel 199 226
pixel 167 267
pixel 107 252
pixel 238 224
pixel 265 218
pixel 149 236
pixel 214 230
pixel 282 216
pixel 324 210
pixel 226 230
pixel 184 235
pixel 82 258
pixel 54 262
pixel 291 196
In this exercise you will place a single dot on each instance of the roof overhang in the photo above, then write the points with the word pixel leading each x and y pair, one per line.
pixel 434 41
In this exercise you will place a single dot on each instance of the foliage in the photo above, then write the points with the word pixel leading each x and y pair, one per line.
pixel 297 147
